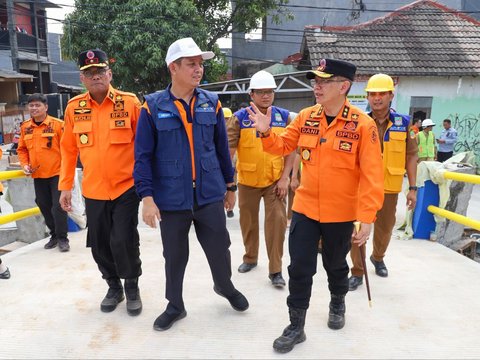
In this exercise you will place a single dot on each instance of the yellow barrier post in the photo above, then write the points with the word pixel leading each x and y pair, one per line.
pixel 5 219
pixel 11 174
pixel 474 224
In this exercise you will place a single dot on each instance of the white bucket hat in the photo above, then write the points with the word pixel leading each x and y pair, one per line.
pixel 186 47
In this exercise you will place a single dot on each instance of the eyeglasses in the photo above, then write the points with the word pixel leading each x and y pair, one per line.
pixel 322 82
pixel 263 92
pixel 91 74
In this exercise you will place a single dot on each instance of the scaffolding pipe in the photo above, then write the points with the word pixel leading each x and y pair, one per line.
pixel 19 215
pixel 474 224
pixel 11 174
pixel 473 179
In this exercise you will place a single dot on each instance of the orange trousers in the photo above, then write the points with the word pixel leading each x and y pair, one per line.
pixel 274 226
pixel 382 232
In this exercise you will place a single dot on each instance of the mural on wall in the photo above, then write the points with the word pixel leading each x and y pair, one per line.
pixel 468 130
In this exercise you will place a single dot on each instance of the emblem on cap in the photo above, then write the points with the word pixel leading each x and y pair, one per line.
pixel 322 65
pixel 90 54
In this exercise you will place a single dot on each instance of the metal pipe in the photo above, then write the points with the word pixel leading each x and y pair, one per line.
pixel 474 224
pixel 11 174
pixel 473 179
pixel 19 215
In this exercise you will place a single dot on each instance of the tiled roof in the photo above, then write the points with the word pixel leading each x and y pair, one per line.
pixel 423 38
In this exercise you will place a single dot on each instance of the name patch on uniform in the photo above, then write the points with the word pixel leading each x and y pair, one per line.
pixel 205 109
pixel 312 123
pixel 164 115
pixel 348 135
pixel 398 128
pixel 345 146
pixel 309 131
pixel 82 111
pixel 119 123
pixel 351 125
pixel 119 105
pixel 82 118
pixel 119 114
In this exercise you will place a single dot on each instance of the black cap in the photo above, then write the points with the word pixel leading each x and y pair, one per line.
pixel 330 67
pixel 93 57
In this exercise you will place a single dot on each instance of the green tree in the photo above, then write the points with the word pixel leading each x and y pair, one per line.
pixel 136 33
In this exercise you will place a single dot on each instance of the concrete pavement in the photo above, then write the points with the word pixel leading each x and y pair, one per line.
pixel 427 308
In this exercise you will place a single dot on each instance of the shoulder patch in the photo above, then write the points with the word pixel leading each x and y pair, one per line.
pixel 373 133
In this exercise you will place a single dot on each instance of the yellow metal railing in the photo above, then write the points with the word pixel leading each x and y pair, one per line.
pixel 473 179
pixel 19 215
pixel 11 174
pixel 474 224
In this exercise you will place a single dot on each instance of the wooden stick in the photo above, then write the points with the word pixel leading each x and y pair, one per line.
pixel 363 251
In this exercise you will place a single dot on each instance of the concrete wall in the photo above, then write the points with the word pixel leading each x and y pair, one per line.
pixel 454 98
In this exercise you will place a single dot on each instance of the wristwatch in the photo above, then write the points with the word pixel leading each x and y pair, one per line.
pixel 232 188
pixel 413 188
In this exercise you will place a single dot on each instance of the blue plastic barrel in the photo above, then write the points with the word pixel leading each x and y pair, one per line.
pixel 423 221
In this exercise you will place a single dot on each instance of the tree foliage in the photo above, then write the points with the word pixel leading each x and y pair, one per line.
pixel 136 33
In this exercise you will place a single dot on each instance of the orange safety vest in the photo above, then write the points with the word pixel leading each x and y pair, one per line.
pixel 342 172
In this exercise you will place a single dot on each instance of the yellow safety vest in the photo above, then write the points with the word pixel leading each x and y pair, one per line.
pixel 426 145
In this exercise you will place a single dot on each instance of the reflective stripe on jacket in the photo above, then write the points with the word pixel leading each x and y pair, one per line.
pixel 256 167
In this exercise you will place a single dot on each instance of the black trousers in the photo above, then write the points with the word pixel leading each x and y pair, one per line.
pixel 442 156
pixel 303 242
pixel 47 198
pixel 113 235
pixel 210 227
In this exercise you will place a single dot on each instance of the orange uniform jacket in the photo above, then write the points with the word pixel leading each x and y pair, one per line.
pixel 342 171
pixel 103 134
pixel 39 146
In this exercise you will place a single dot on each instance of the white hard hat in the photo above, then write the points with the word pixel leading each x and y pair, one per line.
pixel 186 47
pixel 427 122
pixel 262 80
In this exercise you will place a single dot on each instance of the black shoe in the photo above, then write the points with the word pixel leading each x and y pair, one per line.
pixel 380 268
pixel 277 279
pixel 237 300
pixel 63 245
pixel 51 244
pixel 132 293
pixel 293 334
pixel 165 321
pixel 336 316
pixel 246 267
pixel 354 282
pixel 5 274
pixel 114 296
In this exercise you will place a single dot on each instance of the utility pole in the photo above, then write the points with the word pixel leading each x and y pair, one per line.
pixel 12 35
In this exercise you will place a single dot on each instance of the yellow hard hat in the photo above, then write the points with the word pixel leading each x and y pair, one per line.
pixel 227 112
pixel 380 83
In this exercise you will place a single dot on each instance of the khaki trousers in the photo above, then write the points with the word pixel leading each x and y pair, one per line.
pixel 382 232
pixel 275 224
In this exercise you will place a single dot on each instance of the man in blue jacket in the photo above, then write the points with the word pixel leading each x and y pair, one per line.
pixel 184 174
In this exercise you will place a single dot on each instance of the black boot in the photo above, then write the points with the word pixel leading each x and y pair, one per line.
pixel 336 316
pixel 293 333
pixel 114 295
pixel 132 292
